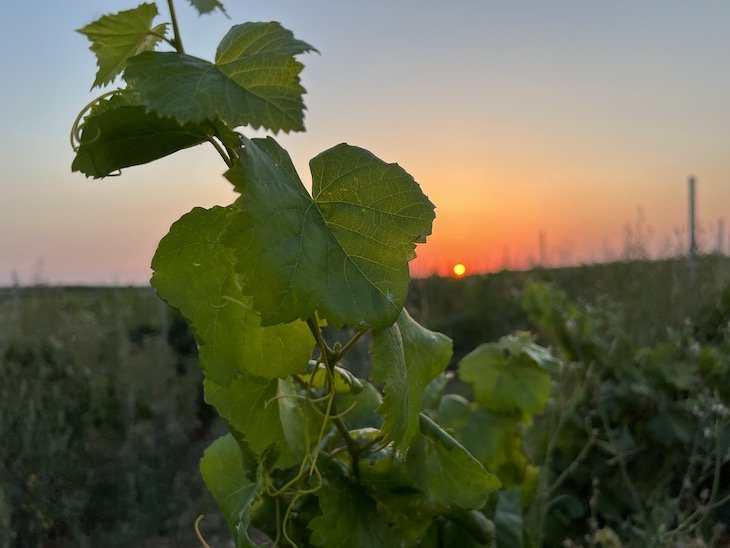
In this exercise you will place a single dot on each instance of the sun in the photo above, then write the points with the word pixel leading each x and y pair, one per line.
pixel 459 270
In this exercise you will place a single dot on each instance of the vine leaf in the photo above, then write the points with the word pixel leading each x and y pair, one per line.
pixel 228 476
pixel 406 358
pixel 343 252
pixel 254 80
pixel 266 415
pixel 207 6
pixel 193 271
pixel 445 471
pixel 509 375
pixel 118 133
pixel 350 516
pixel 493 438
pixel 437 476
pixel 118 37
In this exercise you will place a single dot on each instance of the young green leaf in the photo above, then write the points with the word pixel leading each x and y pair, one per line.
pixel 507 375
pixel 406 357
pixel 343 253
pixel 193 271
pixel 229 479
pixel 206 6
pixel 118 37
pixel 118 134
pixel 254 80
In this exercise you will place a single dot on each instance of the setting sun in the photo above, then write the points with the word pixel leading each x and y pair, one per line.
pixel 459 270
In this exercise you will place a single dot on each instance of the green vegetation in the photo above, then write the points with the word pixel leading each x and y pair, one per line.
pixel 138 444
pixel 99 417
pixel 259 280
pixel 635 443
pixel 514 446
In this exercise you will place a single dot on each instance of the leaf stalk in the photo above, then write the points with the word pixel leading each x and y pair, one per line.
pixel 176 40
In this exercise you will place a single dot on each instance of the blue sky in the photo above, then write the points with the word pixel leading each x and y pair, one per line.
pixel 515 117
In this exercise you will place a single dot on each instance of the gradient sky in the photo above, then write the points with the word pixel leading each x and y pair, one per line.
pixel 514 116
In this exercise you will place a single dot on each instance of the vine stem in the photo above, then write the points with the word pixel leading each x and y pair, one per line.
pixel 349 344
pixel 222 152
pixel 544 490
pixel 573 465
pixel 330 358
pixel 703 511
pixel 177 42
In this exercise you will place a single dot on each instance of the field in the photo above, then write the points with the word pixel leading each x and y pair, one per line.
pixel 103 421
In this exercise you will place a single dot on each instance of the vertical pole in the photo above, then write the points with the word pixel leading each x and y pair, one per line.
pixel 692 219
pixel 692 251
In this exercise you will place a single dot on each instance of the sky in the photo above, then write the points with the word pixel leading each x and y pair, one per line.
pixel 570 119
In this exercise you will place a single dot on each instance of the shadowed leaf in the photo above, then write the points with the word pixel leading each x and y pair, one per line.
pixel 406 357
pixel 229 479
pixel 118 134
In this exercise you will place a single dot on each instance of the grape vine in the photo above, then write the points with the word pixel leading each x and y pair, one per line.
pixel 315 455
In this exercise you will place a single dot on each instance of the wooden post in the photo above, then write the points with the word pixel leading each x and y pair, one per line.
pixel 692 220
pixel 692 251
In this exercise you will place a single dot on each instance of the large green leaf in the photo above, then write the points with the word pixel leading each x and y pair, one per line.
pixel 508 375
pixel 350 516
pixel 254 80
pixel 445 471
pixel 228 477
pixel 406 358
pixel 118 37
pixel 343 253
pixel 206 6
pixel 118 134
pixel 493 438
pixel 193 271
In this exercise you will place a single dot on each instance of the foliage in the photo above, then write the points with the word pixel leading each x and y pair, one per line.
pixel 282 285
pixel 90 453
pixel 646 297
pixel 315 455
pixel 635 441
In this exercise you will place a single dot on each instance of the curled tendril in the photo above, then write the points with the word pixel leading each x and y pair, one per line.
pixel 198 533
pixel 308 466
pixel 76 128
